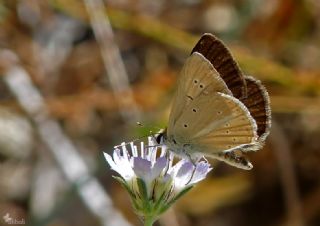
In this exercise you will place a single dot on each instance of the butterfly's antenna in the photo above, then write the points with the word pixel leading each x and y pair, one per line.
pixel 148 126
pixel 126 143
pixel 139 138
pixel 151 133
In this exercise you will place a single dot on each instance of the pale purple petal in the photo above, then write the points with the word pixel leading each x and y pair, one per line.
pixel 125 153
pixel 142 150
pixel 158 167
pixel 184 174
pixel 110 161
pixel 126 172
pixel 142 167
pixel 153 155
pixel 121 157
pixel 124 148
pixel 134 150
pixel 173 170
pixel 122 167
pixel 185 169
pixel 201 171
pixel 117 156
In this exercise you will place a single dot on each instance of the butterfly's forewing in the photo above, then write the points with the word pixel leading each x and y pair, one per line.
pixel 196 76
pixel 214 122
pixel 220 57
pixel 258 104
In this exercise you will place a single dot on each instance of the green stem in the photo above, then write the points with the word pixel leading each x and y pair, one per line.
pixel 149 220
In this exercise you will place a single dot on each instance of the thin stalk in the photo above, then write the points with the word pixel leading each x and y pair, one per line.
pixel 149 220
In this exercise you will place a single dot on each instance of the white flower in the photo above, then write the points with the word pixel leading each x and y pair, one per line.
pixel 151 177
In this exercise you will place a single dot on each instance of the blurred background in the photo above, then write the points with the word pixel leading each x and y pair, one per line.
pixel 76 76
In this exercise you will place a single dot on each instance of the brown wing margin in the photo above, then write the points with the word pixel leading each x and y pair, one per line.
pixel 220 57
pixel 258 104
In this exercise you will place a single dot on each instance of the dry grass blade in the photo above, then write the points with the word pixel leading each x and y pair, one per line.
pixel 287 175
pixel 112 60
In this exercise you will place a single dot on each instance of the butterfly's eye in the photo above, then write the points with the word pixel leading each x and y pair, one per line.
pixel 159 138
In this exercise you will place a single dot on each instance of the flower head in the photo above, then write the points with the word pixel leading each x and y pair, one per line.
pixel 151 177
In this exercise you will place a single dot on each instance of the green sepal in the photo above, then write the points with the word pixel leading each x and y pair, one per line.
pixel 144 193
pixel 184 191
pixel 160 201
pixel 162 188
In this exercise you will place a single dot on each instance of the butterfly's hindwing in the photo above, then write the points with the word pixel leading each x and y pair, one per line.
pixel 234 159
pixel 258 104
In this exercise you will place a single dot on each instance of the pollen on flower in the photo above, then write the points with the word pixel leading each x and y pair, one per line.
pixel 151 177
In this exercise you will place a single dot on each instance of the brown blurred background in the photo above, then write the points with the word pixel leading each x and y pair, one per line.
pixel 76 76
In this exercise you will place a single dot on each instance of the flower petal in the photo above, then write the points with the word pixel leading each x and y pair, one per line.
pixel 110 161
pixel 173 170
pixel 201 171
pixel 121 167
pixel 133 150
pixel 142 168
pixel 158 167
pixel 184 175
pixel 117 156
pixel 142 150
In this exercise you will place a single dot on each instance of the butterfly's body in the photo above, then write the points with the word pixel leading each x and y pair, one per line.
pixel 180 148
pixel 214 113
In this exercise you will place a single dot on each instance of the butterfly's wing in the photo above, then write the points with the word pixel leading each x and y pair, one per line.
pixel 213 123
pixel 197 75
pixel 242 131
pixel 222 60
pixel 258 104
pixel 256 98
pixel 234 158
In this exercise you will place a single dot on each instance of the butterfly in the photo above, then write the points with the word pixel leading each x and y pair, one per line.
pixel 217 112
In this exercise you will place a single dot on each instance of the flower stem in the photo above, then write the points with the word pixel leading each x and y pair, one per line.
pixel 149 220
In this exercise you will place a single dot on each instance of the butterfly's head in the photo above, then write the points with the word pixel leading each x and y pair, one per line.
pixel 183 150
pixel 161 136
